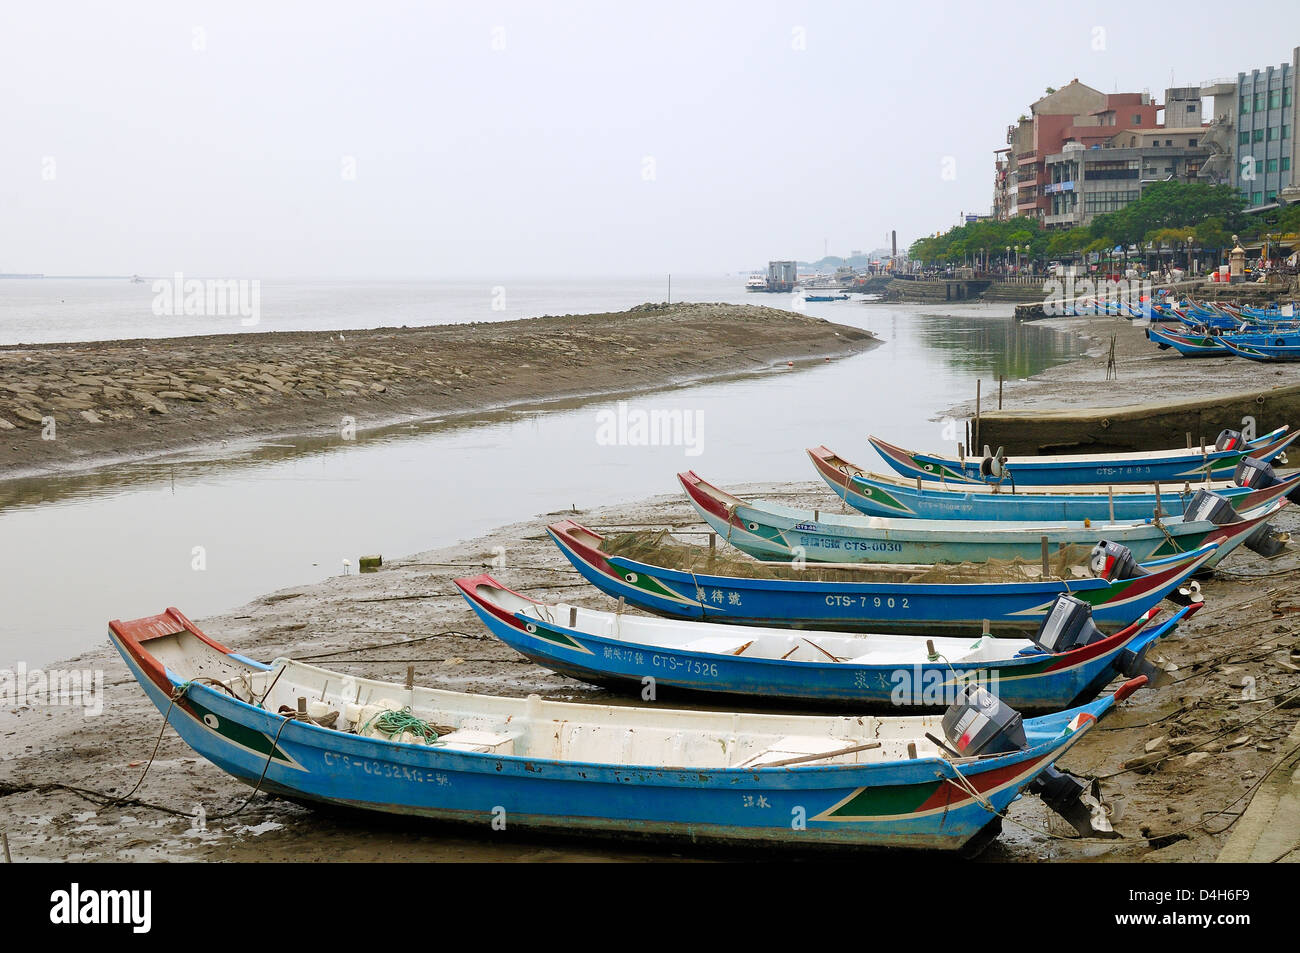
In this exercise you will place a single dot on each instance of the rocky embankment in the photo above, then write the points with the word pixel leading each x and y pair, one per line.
pixel 65 406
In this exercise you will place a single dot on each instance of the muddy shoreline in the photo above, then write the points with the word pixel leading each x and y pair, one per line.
pixel 1216 742
pixel 1169 761
pixel 126 400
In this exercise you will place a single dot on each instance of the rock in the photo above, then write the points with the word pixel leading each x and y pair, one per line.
pixel 5 425
pixel 29 415
pixel 90 417
pixel 1156 744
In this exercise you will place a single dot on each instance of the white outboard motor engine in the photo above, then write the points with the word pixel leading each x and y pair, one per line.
pixel 1257 475
pixel 978 723
pixel 1208 505
pixel 1229 440
pixel 1113 561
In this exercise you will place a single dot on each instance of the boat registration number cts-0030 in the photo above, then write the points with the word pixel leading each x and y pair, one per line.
pixel 868 602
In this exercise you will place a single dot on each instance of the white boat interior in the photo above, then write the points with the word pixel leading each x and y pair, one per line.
pixel 561 731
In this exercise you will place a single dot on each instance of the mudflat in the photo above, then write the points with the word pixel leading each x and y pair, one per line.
pixel 78 405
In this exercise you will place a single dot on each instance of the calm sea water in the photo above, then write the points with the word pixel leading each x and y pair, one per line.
pixel 39 311
pixel 77 551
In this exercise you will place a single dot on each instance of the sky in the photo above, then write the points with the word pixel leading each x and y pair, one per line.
pixel 441 140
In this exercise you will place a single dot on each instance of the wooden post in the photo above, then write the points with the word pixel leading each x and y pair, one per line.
pixel 410 678
pixel 1188 435
pixel 4 843
pixel 573 617
pixel 1000 380
pixel 984 625
pixel 1158 512
pixel 1043 540
pixel 1110 498
pixel 713 544
pixel 978 384
pixel 911 750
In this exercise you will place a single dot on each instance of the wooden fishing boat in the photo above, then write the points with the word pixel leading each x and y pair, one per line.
pixel 1150 466
pixel 690 582
pixel 523 763
pixel 817 667
pixel 1264 352
pixel 879 494
pixel 1190 344
pixel 774 531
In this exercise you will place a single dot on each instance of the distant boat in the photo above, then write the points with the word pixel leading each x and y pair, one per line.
pixel 756 282
pixel 825 297
pixel 137 280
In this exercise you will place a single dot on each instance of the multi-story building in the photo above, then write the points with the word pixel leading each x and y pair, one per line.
pixel 1266 130
pixel 1253 136
pixel 1074 114
pixel 1086 182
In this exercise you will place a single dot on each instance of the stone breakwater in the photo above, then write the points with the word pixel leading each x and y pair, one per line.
pixel 76 405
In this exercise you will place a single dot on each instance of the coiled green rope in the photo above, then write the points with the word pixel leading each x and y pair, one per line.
pixel 393 722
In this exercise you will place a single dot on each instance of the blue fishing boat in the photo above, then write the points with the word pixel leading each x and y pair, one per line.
pixel 1264 352
pixel 825 297
pixel 689 582
pixel 324 738
pixel 1152 466
pixel 774 531
pixel 817 667
pixel 1189 344
pixel 878 494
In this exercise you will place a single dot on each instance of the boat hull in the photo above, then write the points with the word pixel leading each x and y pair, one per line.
pixel 877 495
pixel 1036 682
pixel 917 804
pixel 1182 467
pixel 917 608
pixel 774 532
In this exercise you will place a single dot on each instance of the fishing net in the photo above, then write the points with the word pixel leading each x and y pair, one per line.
pixel 659 548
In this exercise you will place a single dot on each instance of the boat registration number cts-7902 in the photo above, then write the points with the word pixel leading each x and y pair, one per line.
pixel 868 602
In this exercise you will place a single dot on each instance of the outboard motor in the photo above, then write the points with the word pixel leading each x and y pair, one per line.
pixel 1077 801
pixel 1257 475
pixel 993 464
pixel 1208 505
pixel 1067 625
pixel 1113 561
pixel 1229 440
pixel 978 722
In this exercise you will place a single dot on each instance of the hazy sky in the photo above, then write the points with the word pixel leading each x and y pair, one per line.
pixel 496 139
